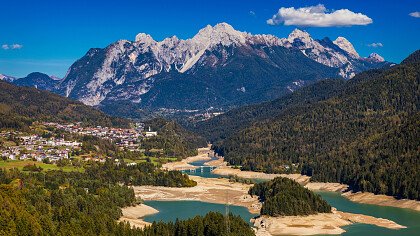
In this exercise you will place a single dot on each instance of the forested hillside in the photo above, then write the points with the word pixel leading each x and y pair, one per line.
pixel 213 223
pixel 172 139
pixel 285 197
pixel 76 203
pixel 365 135
pixel 223 125
pixel 20 106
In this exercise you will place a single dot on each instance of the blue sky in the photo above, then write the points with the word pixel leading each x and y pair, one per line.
pixel 48 36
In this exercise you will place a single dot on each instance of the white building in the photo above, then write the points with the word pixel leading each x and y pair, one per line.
pixel 151 133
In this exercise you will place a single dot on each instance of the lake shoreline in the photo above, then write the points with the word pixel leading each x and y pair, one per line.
pixel 359 197
pixel 222 191
pixel 381 200
pixel 135 214
pixel 218 190
pixel 212 190
pixel 204 154
pixel 321 223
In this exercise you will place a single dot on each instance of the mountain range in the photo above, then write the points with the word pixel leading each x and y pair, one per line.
pixel 219 67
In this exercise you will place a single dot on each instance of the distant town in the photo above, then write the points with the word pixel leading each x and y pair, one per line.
pixel 23 146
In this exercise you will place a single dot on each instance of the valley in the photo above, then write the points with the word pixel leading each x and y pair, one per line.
pixel 209 118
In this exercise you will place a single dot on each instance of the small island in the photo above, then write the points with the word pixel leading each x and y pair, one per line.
pixel 286 197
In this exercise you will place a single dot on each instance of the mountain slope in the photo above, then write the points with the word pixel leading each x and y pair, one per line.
pixel 37 80
pixel 365 135
pixel 225 124
pixel 219 68
pixel 20 106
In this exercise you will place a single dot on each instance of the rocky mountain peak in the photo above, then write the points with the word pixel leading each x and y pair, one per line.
pixel 221 33
pixel 145 39
pixel 344 44
pixel 375 57
pixel 304 36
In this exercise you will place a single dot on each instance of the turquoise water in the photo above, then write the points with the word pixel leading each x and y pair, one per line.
pixel 206 173
pixel 406 217
pixel 171 210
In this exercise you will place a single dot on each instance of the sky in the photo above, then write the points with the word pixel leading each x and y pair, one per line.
pixel 48 36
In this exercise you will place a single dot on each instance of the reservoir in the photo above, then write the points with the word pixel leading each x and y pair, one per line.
pixel 406 217
pixel 170 210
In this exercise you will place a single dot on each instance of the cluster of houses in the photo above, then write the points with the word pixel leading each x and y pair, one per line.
pixel 36 147
pixel 128 139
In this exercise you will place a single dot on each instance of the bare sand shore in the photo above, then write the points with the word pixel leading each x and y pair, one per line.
pixel 227 170
pixel 323 223
pixel 219 162
pixel 203 155
pixel 221 190
pixel 302 179
pixel 367 198
pixel 382 200
pixel 134 214
pixel 331 187
pixel 207 190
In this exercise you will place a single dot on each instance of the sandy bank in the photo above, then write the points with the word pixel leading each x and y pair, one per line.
pixel 207 190
pixel 331 187
pixel 204 154
pixel 134 214
pixel 382 200
pixel 367 198
pixel 323 223
pixel 222 191
pixel 227 170
pixel 218 162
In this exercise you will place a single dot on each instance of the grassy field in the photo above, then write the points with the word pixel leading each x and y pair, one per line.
pixel 10 164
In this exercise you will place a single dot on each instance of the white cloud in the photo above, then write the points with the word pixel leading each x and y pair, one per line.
pixel 11 46
pixel 252 13
pixel 318 16
pixel 415 14
pixel 376 45
pixel 17 46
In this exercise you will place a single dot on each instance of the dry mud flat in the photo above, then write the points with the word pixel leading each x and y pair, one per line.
pixel 323 223
pixel 359 197
pixel 227 170
pixel 382 200
pixel 207 190
pixel 221 191
pixel 134 215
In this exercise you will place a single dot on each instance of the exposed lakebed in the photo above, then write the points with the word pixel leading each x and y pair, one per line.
pixel 170 210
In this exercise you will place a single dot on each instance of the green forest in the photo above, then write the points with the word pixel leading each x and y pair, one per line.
pixel 365 134
pixel 89 203
pixel 212 224
pixel 285 197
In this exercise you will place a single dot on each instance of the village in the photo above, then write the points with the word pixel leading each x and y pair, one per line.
pixel 22 146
